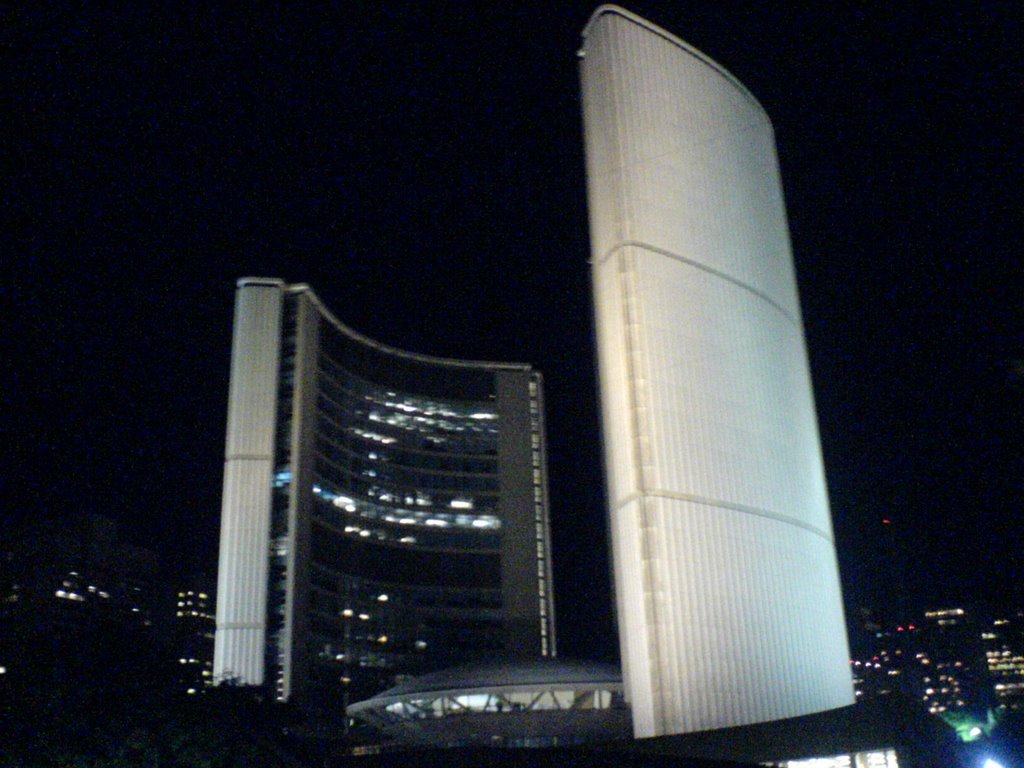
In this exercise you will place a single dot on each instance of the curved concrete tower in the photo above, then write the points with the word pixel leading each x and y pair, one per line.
pixel 727 587
pixel 385 513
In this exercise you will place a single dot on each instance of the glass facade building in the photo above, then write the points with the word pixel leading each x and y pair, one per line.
pixel 727 586
pixel 384 513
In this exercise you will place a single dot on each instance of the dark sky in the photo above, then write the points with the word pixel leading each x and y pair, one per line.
pixel 420 165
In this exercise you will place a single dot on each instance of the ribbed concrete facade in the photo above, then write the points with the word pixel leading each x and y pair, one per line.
pixel 727 587
pixel 248 467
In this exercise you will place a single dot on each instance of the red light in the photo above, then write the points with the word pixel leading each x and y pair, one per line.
pixel 911 627
pixel 899 629
pixel 886 521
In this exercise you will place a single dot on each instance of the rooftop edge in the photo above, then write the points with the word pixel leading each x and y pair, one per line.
pixel 296 288
pixel 602 10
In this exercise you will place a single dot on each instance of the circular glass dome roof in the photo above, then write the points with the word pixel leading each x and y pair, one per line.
pixel 516 672
pixel 529 703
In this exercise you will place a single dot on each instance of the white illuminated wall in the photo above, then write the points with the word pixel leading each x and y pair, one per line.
pixel 727 587
pixel 249 458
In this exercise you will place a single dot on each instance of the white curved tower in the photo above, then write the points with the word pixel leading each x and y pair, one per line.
pixel 727 587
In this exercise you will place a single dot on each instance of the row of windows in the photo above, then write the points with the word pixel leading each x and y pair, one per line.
pixel 539 517
pixel 400 453
pixel 393 565
pixel 277 646
pixel 372 499
pixel 511 701
pixel 375 492
pixel 454 409
pixel 402 411
pixel 375 428
pixel 360 638
pixel 404 528
pixel 367 466
pixel 356 589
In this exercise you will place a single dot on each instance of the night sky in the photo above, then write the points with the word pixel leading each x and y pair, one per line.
pixel 420 165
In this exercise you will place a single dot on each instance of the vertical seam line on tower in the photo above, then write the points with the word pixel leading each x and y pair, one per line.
pixel 625 275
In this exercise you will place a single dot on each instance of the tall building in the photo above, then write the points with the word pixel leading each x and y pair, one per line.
pixel 192 638
pixel 959 660
pixel 727 588
pixel 1003 639
pixel 950 671
pixel 384 513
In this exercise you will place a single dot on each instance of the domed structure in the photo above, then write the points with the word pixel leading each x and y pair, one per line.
pixel 514 703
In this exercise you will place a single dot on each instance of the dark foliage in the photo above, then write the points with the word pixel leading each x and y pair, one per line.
pixel 99 696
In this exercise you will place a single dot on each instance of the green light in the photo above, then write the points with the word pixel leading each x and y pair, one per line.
pixel 968 727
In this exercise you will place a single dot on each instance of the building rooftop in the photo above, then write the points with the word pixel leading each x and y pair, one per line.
pixel 509 672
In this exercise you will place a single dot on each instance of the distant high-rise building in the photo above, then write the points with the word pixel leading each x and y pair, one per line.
pixel 727 586
pixel 951 659
pixel 951 672
pixel 888 662
pixel 1003 640
pixel 384 513
pixel 193 631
